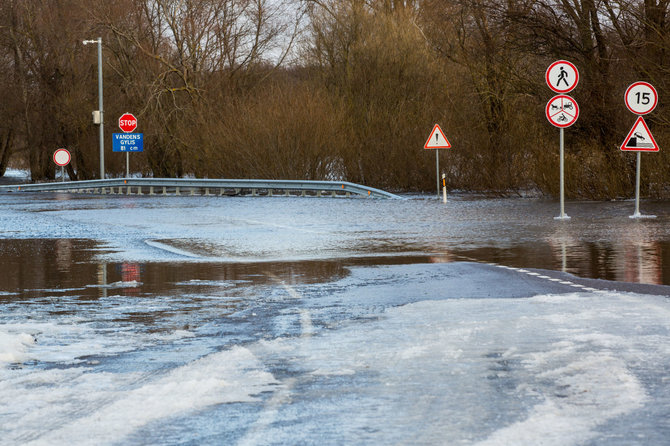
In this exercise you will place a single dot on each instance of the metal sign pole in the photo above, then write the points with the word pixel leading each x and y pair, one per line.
pixel 637 186
pixel 127 165
pixel 563 216
pixel 437 167
pixel 99 115
pixel 102 113
pixel 562 168
pixel 62 174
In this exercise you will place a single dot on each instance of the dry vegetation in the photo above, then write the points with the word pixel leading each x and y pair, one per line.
pixel 337 89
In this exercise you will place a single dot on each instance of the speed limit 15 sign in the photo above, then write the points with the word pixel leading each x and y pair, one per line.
pixel 641 98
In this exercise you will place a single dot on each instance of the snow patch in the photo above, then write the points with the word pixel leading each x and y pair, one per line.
pixel 588 392
pixel 117 285
pixel 14 347
pixel 111 407
pixel 170 249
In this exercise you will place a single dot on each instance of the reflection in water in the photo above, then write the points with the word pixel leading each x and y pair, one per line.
pixel 636 258
pixel 642 257
pixel 131 277
pixel 102 279
pixel 561 243
pixel 35 267
pixel 645 262
pixel 63 254
pixel 28 268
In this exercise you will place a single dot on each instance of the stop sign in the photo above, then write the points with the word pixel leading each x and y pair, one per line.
pixel 127 122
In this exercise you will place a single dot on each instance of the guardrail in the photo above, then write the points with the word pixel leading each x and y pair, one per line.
pixel 221 187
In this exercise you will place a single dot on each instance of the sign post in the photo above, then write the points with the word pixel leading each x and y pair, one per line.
pixel 437 140
pixel 62 158
pixel 641 98
pixel 562 111
pixel 128 141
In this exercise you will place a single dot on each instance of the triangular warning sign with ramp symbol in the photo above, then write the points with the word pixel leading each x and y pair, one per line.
pixel 437 140
pixel 640 139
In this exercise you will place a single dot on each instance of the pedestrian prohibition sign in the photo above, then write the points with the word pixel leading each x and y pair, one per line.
pixel 562 76
pixel 562 111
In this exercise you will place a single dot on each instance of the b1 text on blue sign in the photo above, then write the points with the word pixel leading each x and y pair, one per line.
pixel 128 142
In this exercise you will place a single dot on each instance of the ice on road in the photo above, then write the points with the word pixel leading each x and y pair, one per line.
pixel 287 321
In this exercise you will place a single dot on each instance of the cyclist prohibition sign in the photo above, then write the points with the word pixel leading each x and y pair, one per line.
pixel 562 111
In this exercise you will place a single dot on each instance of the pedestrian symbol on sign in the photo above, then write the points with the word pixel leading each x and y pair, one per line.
pixel 562 76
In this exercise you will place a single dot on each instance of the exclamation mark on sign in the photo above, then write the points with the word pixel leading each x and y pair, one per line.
pixel 437 137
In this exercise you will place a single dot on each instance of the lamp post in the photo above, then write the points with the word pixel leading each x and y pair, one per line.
pixel 99 118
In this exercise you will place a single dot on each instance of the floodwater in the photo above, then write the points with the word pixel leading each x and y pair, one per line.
pixel 600 241
pixel 274 320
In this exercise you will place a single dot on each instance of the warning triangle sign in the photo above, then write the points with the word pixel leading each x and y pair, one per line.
pixel 640 139
pixel 437 140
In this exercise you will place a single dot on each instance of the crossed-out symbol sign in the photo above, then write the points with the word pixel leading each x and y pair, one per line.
pixel 562 111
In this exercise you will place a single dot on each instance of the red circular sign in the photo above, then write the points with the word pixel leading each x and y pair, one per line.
pixel 562 76
pixel 127 122
pixel 62 157
pixel 562 111
pixel 641 98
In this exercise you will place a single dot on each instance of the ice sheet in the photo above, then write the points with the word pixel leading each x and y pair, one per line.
pixel 74 406
pixel 547 370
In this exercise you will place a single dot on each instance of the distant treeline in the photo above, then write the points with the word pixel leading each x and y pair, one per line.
pixel 338 89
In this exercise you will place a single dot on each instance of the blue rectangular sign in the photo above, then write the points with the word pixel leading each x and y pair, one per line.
pixel 128 142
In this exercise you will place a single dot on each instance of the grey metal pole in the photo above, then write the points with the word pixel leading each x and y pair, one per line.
pixel 562 143
pixel 637 185
pixel 437 166
pixel 102 114
pixel 127 165
pixel 562 181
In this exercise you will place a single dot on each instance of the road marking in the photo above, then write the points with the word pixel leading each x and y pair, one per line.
pixel 532 274
pixel 288 288
pixel 257 433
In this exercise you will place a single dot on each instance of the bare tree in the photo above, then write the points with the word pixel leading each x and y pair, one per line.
pixel 191 53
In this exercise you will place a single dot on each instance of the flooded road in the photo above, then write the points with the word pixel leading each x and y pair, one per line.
pixel 273 320
pixel 599 242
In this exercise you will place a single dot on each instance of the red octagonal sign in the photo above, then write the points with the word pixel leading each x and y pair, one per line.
pixel 127 122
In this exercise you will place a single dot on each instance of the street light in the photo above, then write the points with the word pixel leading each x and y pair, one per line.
pixel 98 118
